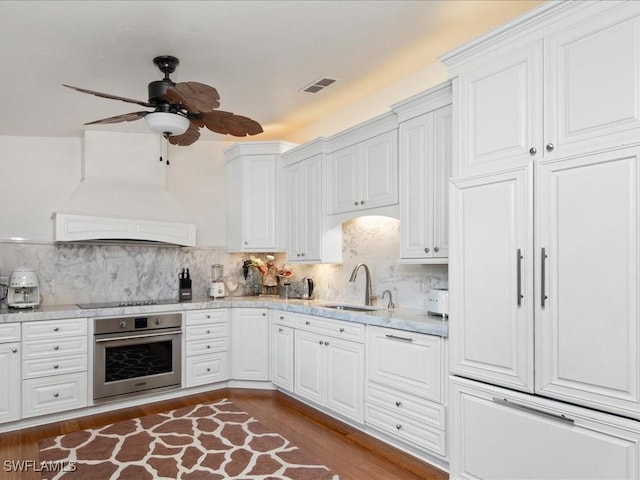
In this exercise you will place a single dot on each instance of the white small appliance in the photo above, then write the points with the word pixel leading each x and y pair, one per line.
pixel 217 289
pixel 438 302
pixel 24 291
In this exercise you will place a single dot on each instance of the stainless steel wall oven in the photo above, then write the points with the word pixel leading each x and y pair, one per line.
pixel 136 354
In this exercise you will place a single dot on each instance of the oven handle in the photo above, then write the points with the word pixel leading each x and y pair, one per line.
pixel 133 337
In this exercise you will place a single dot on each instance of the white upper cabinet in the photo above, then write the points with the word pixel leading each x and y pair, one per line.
pixel 362 167
pixel 588 337
pixel 310 240
pixel 490 278
pixel 425 131
pixel 592 83
pixel 255 222
pixel 500 110
pixel 571 88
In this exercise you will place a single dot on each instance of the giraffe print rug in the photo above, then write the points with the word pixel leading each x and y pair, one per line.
pixel 214 441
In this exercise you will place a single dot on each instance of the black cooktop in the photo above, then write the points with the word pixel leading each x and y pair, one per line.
pixel 126 303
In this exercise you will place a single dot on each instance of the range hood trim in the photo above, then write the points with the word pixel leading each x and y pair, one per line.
pixel 90 228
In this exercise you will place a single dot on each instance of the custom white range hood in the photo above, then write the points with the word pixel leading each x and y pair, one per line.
pixel 122 197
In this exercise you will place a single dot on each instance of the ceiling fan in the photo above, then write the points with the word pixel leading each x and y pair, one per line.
pixel 181 109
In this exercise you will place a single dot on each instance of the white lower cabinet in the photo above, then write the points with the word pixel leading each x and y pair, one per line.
pixel 501 434
pixel 282 349
pixel 10 372
pixel 250 344
pixel 207 347
pixel 329 370
pixel 405 388
pixel 54 366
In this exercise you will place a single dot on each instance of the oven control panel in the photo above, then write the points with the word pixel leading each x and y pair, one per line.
pixel 137 323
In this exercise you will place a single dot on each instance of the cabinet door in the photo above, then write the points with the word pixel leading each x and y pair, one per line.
pixel 416 168
pixel 10 372
pixel 442 166
pixel 259 205
pixel 490 285
pixel 498 434
pixel 344 183
pixel 309 372
pixel 588 340
pixel 379 171
pixel 592 73
pixel 500 111
pixel 296 206
pixel 312 212
pixel 249 344
pixel 282 356
pixel 345 377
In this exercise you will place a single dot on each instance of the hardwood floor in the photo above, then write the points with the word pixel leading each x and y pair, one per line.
pixel 350 453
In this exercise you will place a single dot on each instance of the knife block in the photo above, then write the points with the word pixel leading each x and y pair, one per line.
pixel 184 289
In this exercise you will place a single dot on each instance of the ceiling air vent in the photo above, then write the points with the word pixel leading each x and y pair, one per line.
pixel 319 85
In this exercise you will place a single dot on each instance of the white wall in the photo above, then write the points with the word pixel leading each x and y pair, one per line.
pixel 37 176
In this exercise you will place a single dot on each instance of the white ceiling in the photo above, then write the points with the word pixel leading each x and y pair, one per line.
pixel 258 54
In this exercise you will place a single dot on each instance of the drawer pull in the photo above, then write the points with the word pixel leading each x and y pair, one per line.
pixel 281 317
pixel 208 346
pixel 554 416
pixel 56 347
pixel 398 403
pixel 208 369
pixel 56 329
pixel 321 342
pixel 307 322
pixel 56 395
pixel 398 427
pixel 326 343
pixel 208 331
pixel 56 366
pixel 208 316
pixel 341 330
pixel 396 337
pixel 280 329
pixel 14 350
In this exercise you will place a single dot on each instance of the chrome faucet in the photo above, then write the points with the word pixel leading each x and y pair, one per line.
pixel 368 296
pixel 390 305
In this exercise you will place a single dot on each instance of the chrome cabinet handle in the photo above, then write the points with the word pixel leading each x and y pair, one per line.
pixel 398 427
pixel 279 329
pixel 543 295
pixel 208 369
pixel 395 337
pixel 326 344
pixel 56 395
pixel 533 150
pixel 361 202
pixel 14 350
pixel 355 203
pixel 398 403
pixel 341 330
pixel 56 366
pixel 550 147
pixel 519 258
pixel 56 347
pixel 554 416
pixel 307 322
pixel 56 329
pixel 436 249
pixel 321 342
pixel 426 250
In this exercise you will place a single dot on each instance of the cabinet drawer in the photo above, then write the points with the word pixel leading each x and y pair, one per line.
pixel 54 329
pixel 335 328
pixel 207 332
pixel 406 429
pixel 205 317
pixel 198 347
pixel 9 332
pixel 53 366
pixel 56 347
pixel 54 394
pixel 406 361
pixel 280 317
pixel 205 369
pixel 393 400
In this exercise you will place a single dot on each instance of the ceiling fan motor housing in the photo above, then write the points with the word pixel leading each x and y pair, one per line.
pixel 167 65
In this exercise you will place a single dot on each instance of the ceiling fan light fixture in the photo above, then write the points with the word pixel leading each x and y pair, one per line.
pixel 166 123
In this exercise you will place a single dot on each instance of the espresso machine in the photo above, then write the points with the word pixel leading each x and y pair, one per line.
pixel 217 289
pixel 23 290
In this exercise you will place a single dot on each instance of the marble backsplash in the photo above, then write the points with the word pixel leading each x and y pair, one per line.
pixel 85 273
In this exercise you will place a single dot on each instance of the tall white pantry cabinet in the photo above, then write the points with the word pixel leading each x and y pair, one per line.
pixel 544 245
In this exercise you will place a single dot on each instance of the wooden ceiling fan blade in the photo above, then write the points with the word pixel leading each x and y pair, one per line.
pixel 196 97
pixel 187 138
pixel 214 121
pixel 126 117
pixel 249 125
pixel 108 95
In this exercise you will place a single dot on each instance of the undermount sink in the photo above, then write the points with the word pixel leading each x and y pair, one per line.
pixel 353 308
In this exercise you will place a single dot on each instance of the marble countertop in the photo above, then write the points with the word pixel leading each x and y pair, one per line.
pixel 399 318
